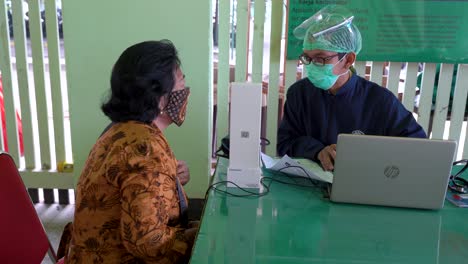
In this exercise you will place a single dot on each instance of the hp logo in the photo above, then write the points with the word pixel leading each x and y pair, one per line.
pixel 391 171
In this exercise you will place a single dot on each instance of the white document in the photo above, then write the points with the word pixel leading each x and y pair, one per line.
pixel 297 167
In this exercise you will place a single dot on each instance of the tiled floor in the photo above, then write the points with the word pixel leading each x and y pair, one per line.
pixel 54 217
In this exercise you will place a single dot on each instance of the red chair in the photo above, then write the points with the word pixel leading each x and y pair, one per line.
pixel 22 235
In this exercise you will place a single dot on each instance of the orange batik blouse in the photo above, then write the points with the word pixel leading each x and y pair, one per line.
pixel 127 204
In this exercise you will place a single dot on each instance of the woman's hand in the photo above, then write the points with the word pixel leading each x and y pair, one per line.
pixel 183 172
pixel 193 224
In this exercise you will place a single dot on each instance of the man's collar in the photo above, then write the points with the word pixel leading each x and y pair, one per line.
pixel 348 85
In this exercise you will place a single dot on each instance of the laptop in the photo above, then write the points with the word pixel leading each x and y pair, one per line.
pixel 392 171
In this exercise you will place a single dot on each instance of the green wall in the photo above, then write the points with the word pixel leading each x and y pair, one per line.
pixel 96 32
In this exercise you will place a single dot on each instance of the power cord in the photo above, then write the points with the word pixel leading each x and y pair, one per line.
pixel 324 186
pixel 312 181
pixel 457 183
pixel 248 193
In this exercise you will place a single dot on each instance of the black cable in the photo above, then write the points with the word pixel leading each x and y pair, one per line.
pixel 264 141
pixel 463 169
pixel 222 155
pixel 324 186
pixel 249 193
pixel 457 183
pixel 287 183
pixel 224 148
pixel 284 174
pixel 314 183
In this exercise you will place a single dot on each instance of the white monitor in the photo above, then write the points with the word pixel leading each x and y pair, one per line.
pixel 244 132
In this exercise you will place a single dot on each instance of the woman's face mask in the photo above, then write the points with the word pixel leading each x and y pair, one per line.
pixel 323 76
pixel 177 105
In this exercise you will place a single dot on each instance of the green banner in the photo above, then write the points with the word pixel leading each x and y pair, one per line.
pixel 397 30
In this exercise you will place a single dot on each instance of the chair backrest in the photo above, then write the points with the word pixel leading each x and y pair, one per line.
pixel 23 238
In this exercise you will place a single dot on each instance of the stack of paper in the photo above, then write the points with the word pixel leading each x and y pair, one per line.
pixel 297 167
pixel 460 200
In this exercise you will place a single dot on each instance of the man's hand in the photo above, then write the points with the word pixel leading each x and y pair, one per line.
pixel 327 157
pixel 183 172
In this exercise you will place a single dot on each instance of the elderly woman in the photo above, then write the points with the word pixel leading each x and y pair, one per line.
pixel 130 205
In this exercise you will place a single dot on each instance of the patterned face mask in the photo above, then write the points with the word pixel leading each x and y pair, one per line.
pixel 177 105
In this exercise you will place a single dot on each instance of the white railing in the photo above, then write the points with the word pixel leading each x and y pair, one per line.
pixel 34 85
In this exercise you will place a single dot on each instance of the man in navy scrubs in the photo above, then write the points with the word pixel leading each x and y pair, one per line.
pixel 333 99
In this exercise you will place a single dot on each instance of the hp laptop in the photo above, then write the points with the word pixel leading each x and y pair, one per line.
pixel 392 171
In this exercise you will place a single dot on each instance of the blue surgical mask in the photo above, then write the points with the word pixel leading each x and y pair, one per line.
pixel 323 76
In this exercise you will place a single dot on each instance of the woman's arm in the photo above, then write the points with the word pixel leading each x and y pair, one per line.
pixel 148 195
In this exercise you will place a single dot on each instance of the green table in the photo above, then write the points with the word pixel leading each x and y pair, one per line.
pixel 295 224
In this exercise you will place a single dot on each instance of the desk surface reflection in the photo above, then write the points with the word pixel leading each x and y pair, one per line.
pixel 295 224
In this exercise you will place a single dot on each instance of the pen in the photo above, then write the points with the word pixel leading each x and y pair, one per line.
pixel 460 196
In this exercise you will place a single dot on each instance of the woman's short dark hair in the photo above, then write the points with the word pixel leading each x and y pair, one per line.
pixel 142 75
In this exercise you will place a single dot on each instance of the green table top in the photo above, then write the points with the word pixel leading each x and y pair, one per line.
pixel 294 224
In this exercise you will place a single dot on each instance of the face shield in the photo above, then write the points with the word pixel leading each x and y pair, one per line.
pixel 330 29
